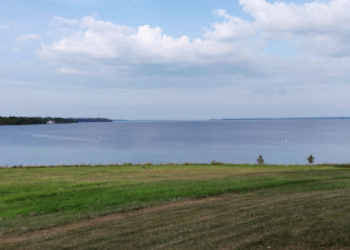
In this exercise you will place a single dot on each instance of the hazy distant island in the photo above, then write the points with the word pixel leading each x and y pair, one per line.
pixel 290 118
pixel 91 119
pixel 12 120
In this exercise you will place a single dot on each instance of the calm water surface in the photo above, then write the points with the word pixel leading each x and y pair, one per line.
pixel 279 141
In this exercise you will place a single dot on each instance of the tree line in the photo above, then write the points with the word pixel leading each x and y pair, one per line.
pixel 12 120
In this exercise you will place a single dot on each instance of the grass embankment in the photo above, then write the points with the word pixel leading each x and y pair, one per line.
pixel 264 206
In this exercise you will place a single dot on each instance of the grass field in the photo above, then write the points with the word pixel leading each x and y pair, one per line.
pixel 175 207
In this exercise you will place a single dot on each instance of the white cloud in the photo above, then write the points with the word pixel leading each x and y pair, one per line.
pixel 234 46
pixel 319 27
pixel 28 37
pixel 63 21
pixel 4 26
pixel 95 40
pixel 232 28
pixel 316 28
pixel 72 71
pixel 314 17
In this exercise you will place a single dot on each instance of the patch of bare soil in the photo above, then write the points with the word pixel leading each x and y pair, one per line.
pixel 101 220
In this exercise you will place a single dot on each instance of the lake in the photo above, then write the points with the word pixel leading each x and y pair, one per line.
pixel 240 141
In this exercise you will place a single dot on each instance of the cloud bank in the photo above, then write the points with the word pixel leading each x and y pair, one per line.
pixel 122 47
pixel 321 28
pixel 231 51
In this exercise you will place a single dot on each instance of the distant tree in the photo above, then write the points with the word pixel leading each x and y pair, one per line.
pixel 260 160
pixel 311 159
pixel 217 163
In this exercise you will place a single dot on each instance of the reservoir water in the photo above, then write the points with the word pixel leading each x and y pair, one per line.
pixel 241 141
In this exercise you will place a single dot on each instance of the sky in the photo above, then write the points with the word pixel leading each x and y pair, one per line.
pixel 175 60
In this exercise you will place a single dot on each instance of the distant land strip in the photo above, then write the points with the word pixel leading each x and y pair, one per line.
pixel 12 120
pixel 241 119
pixel 286 118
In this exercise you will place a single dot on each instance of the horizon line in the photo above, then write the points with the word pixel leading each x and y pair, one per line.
pixel 228 119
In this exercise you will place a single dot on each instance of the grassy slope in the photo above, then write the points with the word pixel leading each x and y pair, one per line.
pixel 266 204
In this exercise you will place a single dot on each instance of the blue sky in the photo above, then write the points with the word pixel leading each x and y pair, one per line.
pixel 199 59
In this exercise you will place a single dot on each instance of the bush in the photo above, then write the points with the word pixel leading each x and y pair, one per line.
pixel 260 160
pixel 217 163
pixel 311 159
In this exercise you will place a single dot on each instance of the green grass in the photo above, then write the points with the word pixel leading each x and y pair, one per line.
pixel 38 198
pixel 89 191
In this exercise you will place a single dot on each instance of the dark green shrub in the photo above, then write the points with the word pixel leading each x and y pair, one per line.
pixel 311 159
pixel 260 160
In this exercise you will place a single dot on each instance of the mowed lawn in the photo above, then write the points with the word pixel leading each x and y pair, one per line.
pixel 175 207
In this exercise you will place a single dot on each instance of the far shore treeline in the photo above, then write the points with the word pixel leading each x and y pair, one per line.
pixel 12 120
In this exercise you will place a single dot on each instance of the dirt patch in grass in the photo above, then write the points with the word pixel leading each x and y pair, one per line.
pixel 100 220
pixel 251 207
pixel 312 220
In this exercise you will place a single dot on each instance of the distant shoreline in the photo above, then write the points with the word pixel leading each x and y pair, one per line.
pixel 214 163
pixel 13 120
pixel 241 119
pixel 287 118
pixel 8 121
